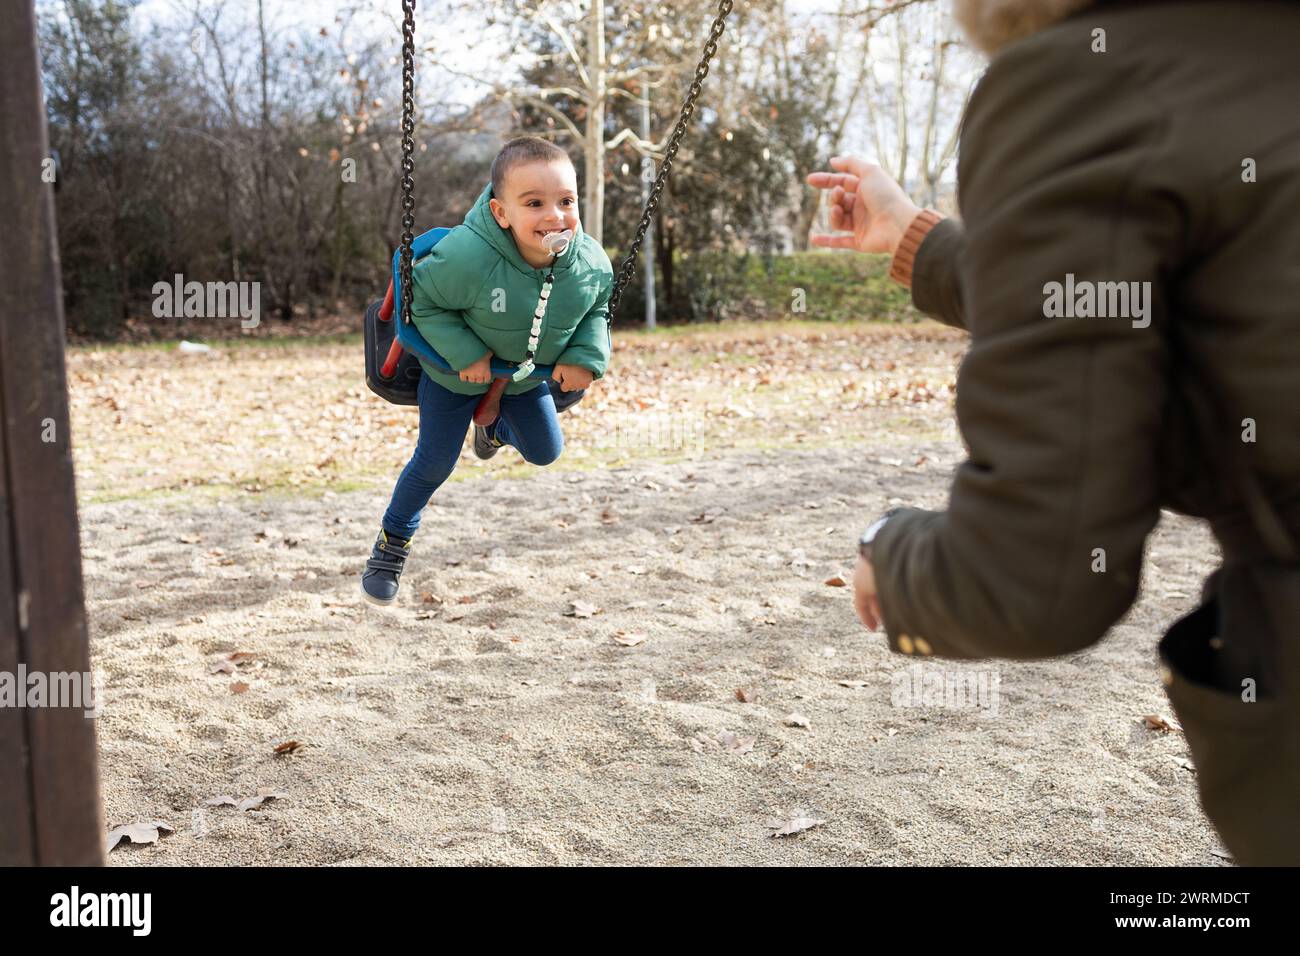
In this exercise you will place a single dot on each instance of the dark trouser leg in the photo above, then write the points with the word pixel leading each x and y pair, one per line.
pixel 444 418
pixel 528 423
pixel 1245 744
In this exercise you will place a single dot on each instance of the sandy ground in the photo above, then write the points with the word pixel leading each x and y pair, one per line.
pixel 477 723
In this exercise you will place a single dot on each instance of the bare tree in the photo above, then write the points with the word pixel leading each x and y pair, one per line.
pixel 918 58
pixel 572 42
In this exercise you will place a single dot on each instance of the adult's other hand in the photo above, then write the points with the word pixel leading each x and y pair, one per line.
pixel 865 203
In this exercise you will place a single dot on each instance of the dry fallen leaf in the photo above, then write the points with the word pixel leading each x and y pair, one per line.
pixel 136 833
pixel 263 794
pixel 734 744
pixel 248 803
pixel 744 696
pixel 837 581
pixel 796 824
pixel 628 640
pixel 1157 722
pixel 581 609
pixel 288 747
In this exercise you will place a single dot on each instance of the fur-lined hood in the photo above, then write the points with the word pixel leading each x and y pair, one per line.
pixel 992 24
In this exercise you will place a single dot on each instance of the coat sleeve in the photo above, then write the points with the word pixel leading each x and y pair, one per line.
pixel 936 287
pixel 438 310
pixel 589 345
pixel 1040 549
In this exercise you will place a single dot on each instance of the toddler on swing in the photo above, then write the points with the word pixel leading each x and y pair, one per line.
pixel 478 294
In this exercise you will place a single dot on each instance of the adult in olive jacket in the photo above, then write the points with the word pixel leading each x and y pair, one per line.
pixel 1128 267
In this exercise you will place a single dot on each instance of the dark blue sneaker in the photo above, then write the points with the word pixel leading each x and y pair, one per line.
pixel 379 582
pixel 485 441
pixel 564 400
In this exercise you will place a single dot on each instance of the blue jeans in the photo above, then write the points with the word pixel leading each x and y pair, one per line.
pixel 528 422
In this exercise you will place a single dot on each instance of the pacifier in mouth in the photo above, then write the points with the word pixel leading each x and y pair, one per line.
pixel 557 242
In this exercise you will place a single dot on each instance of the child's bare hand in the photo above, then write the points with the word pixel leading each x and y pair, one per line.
pixel 480 372
pixel 864 202
pixel 572 378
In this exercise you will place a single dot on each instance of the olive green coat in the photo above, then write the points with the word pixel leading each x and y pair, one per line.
pixel 1172 158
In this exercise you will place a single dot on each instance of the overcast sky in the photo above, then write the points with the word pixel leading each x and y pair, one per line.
pixel 380 18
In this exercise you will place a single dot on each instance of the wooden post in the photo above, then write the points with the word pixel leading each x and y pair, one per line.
pixel 50 812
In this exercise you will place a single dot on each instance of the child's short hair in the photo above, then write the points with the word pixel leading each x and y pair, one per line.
pixel 521 150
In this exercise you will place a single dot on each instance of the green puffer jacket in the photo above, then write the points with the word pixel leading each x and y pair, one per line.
pixel 474 293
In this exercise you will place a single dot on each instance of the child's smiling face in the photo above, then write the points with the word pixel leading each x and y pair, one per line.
pixel 539 198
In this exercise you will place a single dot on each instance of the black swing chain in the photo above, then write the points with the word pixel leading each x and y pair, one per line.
pixel 408 148
pixel 627 268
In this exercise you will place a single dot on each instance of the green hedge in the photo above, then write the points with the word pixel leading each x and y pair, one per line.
pixel 836 287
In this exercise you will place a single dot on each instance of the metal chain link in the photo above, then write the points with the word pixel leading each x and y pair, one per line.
pixel 627 268
pixel 408 148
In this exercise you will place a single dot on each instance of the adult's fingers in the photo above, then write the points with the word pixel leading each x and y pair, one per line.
pixel 854 166
pixel 847 181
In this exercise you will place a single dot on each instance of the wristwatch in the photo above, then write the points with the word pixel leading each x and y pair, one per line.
pixel 868 536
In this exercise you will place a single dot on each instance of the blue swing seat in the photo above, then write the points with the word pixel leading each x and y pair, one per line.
pixel 409 336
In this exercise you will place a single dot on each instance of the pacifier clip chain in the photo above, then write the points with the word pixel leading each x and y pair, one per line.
pixel 557 243
pixel 526 367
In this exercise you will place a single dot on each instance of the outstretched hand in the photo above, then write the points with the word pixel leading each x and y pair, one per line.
pixel 865 203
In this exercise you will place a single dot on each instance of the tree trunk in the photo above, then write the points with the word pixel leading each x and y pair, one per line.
pixel 809 202
pixel 340 220
pixel 595 145
pixel 664 242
